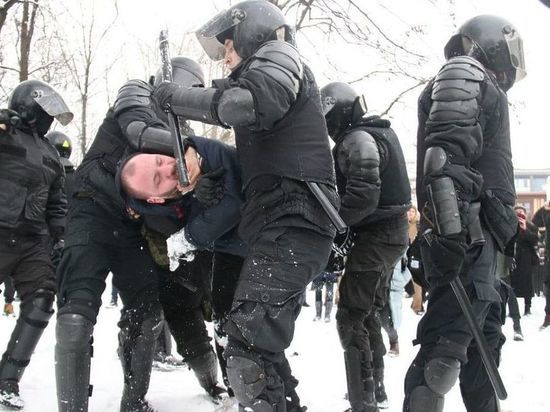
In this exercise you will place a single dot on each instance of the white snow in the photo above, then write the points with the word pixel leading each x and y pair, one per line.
pixel 316 358
pixel 179 249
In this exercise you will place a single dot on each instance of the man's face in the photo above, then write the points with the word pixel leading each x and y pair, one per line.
pixel 231 58
pixel 155 178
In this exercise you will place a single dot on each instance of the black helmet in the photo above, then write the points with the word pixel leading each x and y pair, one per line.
pixel 495 43
pixel 61 142
pixel 185 72
pixel 249 24
pixel 38 103
pixel 342 106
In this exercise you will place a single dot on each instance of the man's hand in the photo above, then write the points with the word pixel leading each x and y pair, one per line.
pixel 209 189
pixel 447 255
pixel 8 118
pixel 163 93
pixel 179 248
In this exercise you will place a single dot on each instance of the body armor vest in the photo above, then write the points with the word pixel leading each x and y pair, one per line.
pixel 297 147
pixel 395 187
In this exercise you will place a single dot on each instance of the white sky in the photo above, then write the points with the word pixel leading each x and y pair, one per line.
pixel 530 135
pixel 134 42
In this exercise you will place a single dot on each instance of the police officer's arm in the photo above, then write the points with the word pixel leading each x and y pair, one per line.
pixel 260 97
pixel 56 206
pixel 453 141
pixel 139 122
pixel 215 221
pixel 358 158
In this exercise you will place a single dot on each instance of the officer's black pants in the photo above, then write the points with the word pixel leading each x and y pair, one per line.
pixel 443 331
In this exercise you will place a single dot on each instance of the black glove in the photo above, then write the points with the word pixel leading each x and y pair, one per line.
pixel 163 93
pixel 447 256
pixel 9 118
pixel 414 263
pixel 209 189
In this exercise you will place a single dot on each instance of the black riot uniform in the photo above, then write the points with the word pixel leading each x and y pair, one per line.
pixel 101 237
pixel 375 191
pixel 272 102
pixel 465 183
pixel 33 208
pixel 64 147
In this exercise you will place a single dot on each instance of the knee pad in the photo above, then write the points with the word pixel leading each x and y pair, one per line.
pixel 73 331
pixel 248 380
pixel 423 399
pixel 42 300
pixel 441 374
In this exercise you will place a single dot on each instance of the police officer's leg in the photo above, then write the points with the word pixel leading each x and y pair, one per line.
pixel 444 334
pixel 140 325
pixel 183 313
pixel 281 262
pixel 226 270
pixel 436 367
pixel 34 280
pixel 136 277
pixel 477 392
pixel 318 286
pixel 81 275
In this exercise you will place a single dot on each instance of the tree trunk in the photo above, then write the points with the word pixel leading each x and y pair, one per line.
pixel 27 30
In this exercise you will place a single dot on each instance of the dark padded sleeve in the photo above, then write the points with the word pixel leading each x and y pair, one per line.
pixel 134 93
pixel 133 110
pixel 56 206
pixel 453 124
pixel 273 79
pixel 359 161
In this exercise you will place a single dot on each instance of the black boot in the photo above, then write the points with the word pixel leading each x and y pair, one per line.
pixel 205 367
pixel 136 349
pixel 379 389
pixel 36 311
pixel 73 351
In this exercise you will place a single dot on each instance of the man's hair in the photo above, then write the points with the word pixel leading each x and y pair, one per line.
pixel 126 173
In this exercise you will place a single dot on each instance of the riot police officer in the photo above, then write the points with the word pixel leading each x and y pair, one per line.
pixel 64 147
pixel 33 208
pixel 272 102
pixel 374 187
pixel 465 184
pixel 101 237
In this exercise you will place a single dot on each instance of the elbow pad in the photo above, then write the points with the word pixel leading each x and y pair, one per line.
pixel 143 138
pixel 236 107
pixel 441 192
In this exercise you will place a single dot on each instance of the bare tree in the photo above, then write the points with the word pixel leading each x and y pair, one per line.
pixel 4 9
pixel 91 34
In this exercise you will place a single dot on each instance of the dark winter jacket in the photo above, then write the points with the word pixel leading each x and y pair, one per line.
pixel 32 200
pixel 541 218
pixel 526 258
pixel 212 228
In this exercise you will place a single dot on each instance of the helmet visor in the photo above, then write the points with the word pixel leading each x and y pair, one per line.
pixel 53 104
pixel 515 48
pixel 209 34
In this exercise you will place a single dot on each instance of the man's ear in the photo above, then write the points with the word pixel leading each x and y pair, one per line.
pixel 156 200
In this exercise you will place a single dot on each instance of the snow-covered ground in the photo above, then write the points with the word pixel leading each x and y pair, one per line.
pixel 317 361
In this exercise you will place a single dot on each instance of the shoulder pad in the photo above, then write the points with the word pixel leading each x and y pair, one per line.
pixel 362 149
pixel 281 61
pixel 461 67
pixel 134 93
pixel 458 80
